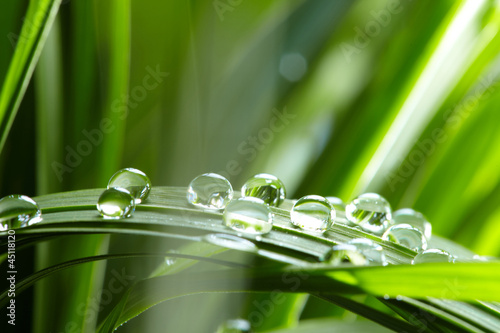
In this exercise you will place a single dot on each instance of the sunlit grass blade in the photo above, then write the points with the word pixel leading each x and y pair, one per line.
pixel 38 21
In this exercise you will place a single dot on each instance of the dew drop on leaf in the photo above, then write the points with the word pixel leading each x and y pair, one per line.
pixel 373 252
pixel 18 211
pixel 313 213
pixel 210 190
pixel 415 219
pixel 134 181
pixel 266 187
pixel 248 215
pixel 406 235
pixel 115 203
pixel 432 255
pixel 370 211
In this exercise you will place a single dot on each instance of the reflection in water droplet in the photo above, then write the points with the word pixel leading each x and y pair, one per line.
pixel 313 213
pixel 406 235
pixel 134 181
pixel 231 242
pixel 171 260
pixel 413 218
pixel 18 211
pixel 115 203
pixel 234 326
pixel 347 254
pixel 266 187
pixel 372 251
pixel 248 215
pixel 432 255
pixel 210 190
pixel 370 211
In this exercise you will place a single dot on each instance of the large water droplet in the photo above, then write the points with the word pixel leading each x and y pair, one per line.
pixel 210 190
pixel 234 326
pixel 248 215
pixel 347 254
pixel 372 251
pixel 406 235
pixel 266 187
pixel 415 219
pixel 432 255
pixel 231 242
pixel 313 213
pixel 370 211
pixel 115 203
pixel 134 181
pixel 18 211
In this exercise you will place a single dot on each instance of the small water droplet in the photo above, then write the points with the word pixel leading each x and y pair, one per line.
pixel 372 251
pixel 337 203
pixel 313 213
pixel 370 211
pixel 386 296
pixel 248 215
pixel 210 190
pixel 134 181
pixel 18 211
pixel 347 254
pixel 231 242
pixel 171 260
pixel 234 326
pixel 266 187
pixel 413 218
pixel 406 235
pixel 115 203
pixel 432 255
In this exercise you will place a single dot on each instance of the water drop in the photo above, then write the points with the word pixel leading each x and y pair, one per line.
pixel 406 235
pixel 134 181
pixel 415 219
pixel 373 252
pixel 18 211
pixel 432 255
pixel 115 203
pixel 313 213
pixel 234 326
pixel 248 215
pixel 370 211
pixel 266 187
pixel 210 190
pixel 347 254
pixel 231 242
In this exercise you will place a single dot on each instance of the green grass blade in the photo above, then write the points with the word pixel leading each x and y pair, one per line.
pixel 38 21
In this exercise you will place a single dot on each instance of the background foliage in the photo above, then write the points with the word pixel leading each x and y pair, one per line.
pixel 333 97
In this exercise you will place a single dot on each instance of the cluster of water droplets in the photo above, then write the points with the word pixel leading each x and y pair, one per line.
pixel 18 211
pixel 126 188
pixel 251 214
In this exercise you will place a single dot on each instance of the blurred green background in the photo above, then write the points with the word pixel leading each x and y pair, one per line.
pixel 335 98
